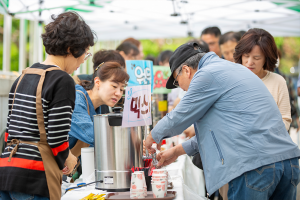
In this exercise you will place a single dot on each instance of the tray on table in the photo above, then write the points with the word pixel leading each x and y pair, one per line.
pixel 126 195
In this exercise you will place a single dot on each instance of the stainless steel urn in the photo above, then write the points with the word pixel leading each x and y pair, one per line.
pixel 117 150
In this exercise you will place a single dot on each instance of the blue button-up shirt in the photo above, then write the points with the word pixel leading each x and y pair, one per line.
pixel 82 126
pixel 238 124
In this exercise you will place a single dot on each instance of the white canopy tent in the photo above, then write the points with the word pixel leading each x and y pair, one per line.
pixel 141 19
pixel 118 19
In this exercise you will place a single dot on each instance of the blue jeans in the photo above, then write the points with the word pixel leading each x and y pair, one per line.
pixel 4 195
pixel 277 181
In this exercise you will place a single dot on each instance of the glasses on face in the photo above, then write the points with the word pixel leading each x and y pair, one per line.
pixel 87 55
pixel 175 83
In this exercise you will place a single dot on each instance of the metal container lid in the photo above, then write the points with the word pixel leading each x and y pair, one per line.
pixel 115 118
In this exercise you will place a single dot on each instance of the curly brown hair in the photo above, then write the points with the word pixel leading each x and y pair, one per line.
pixel 67 31
pixel 264 40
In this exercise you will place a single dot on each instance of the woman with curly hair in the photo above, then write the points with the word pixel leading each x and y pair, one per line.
pixel 41 102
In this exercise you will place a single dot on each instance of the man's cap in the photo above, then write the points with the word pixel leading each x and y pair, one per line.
pixel 180 55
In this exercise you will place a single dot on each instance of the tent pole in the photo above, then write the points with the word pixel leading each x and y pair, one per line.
pixel 40 42
pixel 6 42
pixel 90 67
pixel 22 46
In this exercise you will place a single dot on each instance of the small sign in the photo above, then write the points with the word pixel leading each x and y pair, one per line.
pixel 108 180
pixel 137 106
pixel 161 76
pixel 140 72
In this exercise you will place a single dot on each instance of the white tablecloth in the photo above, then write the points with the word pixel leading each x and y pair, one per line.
pixel 187 179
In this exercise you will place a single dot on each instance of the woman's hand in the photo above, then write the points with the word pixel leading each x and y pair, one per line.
pixel 70 163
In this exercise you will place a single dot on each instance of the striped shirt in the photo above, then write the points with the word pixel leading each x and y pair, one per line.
pixel 58 99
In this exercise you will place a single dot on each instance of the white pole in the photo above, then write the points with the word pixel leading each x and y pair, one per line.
pixel 40 42
pixel 90 67
pixel 22 46
pixel 6 42
pixel 35 41
pixel 31 43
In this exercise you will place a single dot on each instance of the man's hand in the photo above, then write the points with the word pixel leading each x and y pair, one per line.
pixel 149 142
pixel 169 156
pixel 70 163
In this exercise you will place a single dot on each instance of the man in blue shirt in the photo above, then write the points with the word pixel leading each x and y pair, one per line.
pixel 240 134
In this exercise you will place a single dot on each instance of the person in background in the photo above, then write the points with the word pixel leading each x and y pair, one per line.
pixel 258 52
pixel 211 36
pixel 41 103
pixel 227 42
pixel 98 58
pixel 138 44
pixel 152 58
pixel 164 57
pixel 241 33
pixel 128 51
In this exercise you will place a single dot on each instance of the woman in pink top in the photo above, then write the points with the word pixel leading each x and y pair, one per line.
pixel 258 52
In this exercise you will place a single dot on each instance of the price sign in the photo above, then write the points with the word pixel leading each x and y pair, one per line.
pixel 140 72
pixel 137 106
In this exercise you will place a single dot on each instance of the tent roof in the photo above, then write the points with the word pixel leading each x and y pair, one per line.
pixel 118 19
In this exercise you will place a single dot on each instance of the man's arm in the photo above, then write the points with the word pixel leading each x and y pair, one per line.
pixel 191 146
pixel 203 91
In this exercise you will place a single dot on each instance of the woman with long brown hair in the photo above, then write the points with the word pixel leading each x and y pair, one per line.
pixel 258 52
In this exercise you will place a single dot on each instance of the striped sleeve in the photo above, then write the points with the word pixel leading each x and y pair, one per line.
pixel 10 100
pixel 59 123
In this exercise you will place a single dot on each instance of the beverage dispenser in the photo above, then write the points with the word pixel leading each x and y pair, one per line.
pixel 117 150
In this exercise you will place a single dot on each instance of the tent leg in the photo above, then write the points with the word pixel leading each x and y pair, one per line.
pixel 6 42
pixel 22 46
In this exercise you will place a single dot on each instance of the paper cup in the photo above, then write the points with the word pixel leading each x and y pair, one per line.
pixel 137 195
pixel 137 181
pixel 144 181
pixel 159 176
pixel 159 190
pixel 160 171
pixel 159 179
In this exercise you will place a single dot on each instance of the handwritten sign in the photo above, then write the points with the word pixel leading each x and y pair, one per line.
pixel 140 72
pixel 161 76
pixel 137 106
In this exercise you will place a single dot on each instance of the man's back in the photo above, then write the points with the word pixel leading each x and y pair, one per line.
pixel 238 124
pixel 243 128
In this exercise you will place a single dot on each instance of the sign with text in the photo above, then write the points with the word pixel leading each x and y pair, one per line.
pixel 137 106
pixel 161 76
pixel 140 72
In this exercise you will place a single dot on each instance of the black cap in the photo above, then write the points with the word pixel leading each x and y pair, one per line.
pixel 180 55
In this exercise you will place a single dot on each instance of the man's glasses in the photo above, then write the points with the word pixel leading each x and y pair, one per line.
pixel 175 83
pixel 87 56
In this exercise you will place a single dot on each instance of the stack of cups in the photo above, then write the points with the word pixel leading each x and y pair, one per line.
pixel 159 183
pixel 138 189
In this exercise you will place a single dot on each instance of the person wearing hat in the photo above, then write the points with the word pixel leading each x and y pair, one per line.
pixel 240 134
